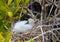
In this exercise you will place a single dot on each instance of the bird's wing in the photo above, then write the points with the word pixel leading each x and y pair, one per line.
pixel 20 23
pixel 23 28
pixel 27 26
pixel 23 22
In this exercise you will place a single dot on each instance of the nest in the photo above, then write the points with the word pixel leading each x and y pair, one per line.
pixel 47 28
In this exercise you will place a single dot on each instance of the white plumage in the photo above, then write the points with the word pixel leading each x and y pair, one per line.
pixel 22 26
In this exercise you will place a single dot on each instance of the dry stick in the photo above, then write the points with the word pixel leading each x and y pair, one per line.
pixel 58 13
pixel 43 9
pixel 42 16
pixel 49 31
pixel 29 4
pixel 55 16
pixel 48 1
pixel 41 27
pixel 31 14
pixel 55 35
pixel 50 10
pixel 53 2
pixel 56 6
pixel 42 32
pixel 58 32
pixel 48 4
pixel 20 13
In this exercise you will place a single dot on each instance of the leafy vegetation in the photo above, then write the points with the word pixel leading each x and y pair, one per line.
pixel 8 14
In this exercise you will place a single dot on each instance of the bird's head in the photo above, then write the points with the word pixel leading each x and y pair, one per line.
pixel 31 21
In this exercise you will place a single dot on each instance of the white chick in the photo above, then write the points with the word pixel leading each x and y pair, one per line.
pixel 23 26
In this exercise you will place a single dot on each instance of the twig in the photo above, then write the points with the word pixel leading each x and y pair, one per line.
pixel 49 31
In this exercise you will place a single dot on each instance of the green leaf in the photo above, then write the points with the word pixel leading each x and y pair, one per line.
pixel 1 23
pixel 2 27
pixel 24 11
pixel 17 2
pixel 10 14
pixel 19 40
pixel 16 9
pixel 8 36
pixel 31 40
pixel 1 37
pixel 12 7
pixel 24 2
pixel 7 25
pixel 2 2
pixel 3 8
pixel 2 14
pixel 9 2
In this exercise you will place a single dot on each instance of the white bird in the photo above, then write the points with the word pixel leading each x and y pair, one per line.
pixel 23 26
